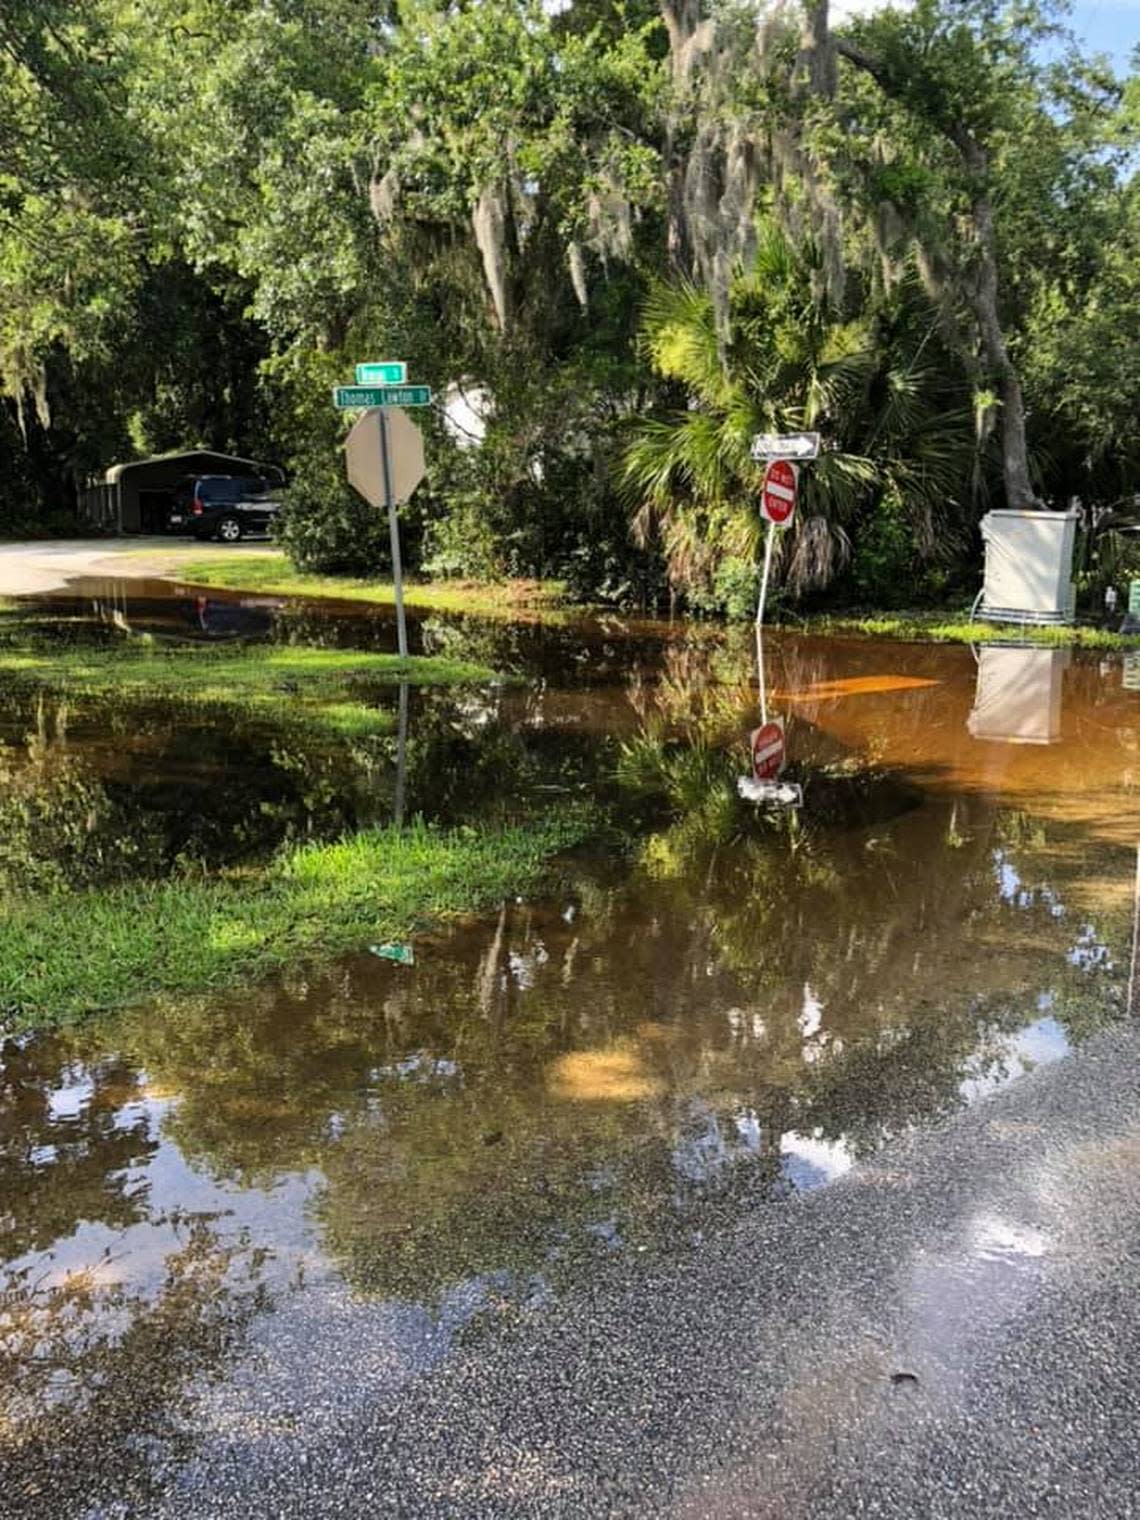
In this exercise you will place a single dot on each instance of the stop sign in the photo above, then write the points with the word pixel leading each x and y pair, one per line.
pixel 768 750
pixel 364 455
pixel 778 498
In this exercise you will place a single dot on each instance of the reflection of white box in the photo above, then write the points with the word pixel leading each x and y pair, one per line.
pixel 1029 566
pixel 1018 696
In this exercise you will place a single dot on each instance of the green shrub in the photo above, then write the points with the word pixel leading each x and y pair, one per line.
pixel 461 542
pixel 882 561
pixel 732 592
pixel 325 526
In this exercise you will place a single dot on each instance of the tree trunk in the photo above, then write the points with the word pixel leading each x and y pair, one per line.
pixel 682 18
pixel 984 296
pixel 817 53
pixel 984 299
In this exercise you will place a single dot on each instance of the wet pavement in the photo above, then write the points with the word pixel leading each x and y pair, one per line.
pixel 765 1164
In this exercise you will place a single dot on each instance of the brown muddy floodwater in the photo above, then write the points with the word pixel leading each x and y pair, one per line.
pixel 703 1015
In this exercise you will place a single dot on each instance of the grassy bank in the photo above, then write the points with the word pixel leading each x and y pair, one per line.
pixel 66 954
pixel 272 573
pixel 523 599
pixel 322 687
pixel 939 628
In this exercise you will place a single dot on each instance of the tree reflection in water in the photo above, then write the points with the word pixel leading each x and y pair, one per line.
pixel 624 1065
pixel 72 1141
pixel 95 1376
pixel 717 1009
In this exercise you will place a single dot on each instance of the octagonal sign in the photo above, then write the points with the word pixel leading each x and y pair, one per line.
pixel 364 455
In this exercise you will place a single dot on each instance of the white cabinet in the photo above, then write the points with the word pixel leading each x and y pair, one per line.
pixel 1029 566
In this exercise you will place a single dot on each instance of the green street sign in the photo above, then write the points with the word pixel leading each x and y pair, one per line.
pixel 391 372
pixel 350 398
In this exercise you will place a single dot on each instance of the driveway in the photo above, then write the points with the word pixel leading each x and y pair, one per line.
pixel 29 569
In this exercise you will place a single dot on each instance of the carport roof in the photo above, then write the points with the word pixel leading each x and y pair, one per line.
pixel 117 471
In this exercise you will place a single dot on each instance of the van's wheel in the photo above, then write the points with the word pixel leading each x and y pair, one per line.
pixel 229 530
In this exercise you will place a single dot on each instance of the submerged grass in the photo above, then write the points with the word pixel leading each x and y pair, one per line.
pixel 936 627
pixel 215 673
pixel 318 687
pixel 66 954
pixel 238 571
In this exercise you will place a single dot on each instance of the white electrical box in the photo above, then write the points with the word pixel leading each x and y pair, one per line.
pixel 1029 566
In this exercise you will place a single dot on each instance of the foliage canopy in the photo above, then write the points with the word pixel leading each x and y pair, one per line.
pixel 621 233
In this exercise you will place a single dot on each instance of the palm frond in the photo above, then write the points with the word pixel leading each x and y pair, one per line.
pixel 892 421
pixel 678 335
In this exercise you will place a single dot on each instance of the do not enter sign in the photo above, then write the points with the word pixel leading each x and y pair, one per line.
pixel 778 498
pixel 768 750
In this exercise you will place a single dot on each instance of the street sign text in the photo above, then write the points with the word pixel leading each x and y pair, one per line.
pixel 785 446
pixel 778 498
pixel 390 372
pixel 768 751
pixel 350 398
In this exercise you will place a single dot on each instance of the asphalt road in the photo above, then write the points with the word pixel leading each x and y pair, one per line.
pixel 952 1330
pixel 32 568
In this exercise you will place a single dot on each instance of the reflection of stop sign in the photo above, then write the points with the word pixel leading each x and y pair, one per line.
pixel 768 750
pixel 778 498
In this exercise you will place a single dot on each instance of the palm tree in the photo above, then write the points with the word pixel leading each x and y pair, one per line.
pixel 894 412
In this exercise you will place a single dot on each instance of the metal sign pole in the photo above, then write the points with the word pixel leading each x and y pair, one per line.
pixel 402 755
pixel 764 578
pixel 760 668
pixel 394 528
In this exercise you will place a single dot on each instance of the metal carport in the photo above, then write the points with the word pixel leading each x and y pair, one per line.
pixel 134 497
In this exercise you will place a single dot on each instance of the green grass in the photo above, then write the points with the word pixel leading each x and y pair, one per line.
pixel 347 720
pixel 63 955
pixel 936 627
pixel 273 573
pixel 318 687
pixel 211 673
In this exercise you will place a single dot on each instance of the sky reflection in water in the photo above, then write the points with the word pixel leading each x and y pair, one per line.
pixel 727 1012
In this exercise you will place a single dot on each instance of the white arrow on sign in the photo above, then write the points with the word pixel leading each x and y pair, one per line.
pixel 785 446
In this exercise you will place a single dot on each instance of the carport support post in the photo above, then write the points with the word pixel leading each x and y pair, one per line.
pixel 394 529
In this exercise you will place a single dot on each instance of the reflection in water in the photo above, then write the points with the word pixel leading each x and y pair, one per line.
pixel 727 1008
pixel 94 1373
pixel 768 749
pixel 91 792
pixel 101 608
pixel 1018 698
pixel 704 1033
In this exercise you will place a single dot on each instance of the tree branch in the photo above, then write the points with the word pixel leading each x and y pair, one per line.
pixel 855 54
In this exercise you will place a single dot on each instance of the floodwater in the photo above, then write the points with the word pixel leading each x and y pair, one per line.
pixel 710 1011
